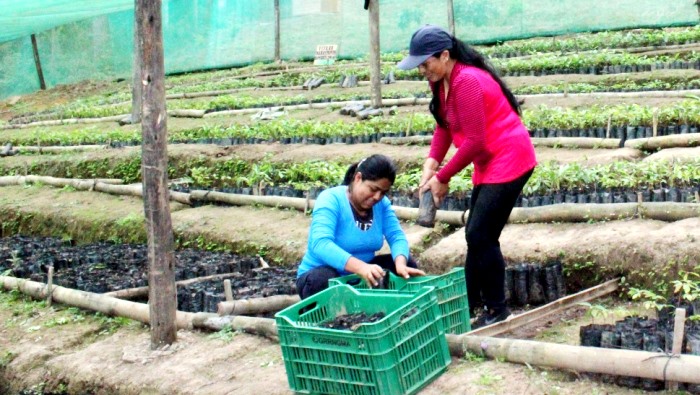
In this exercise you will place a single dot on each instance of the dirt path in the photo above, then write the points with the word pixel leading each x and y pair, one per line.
pixel 85 356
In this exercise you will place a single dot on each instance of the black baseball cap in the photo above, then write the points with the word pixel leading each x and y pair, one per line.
pixel 426 41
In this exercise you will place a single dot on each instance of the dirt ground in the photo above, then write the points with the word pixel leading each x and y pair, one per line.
pixel 87 357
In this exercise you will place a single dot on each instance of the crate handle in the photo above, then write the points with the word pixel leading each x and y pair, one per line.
pixel 306 309
pixel 354 281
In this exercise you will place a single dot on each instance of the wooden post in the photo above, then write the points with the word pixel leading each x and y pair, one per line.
pixel 678 333
pixel 154 167
pixel 137 87
pixel 277 31
pixel 374 55
pixel 607 132
pixel 451 16
pixel 37 62
pixel 228 292
pixel 49 283
pixel 655 122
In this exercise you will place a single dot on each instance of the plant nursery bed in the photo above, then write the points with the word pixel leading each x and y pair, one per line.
pixel 105 267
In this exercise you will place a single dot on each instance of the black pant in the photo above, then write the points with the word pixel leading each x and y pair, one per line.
pixel 316 280
pixel 491 205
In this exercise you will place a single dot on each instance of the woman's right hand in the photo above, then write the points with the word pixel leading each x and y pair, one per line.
pixel 372 274
pixel 429 170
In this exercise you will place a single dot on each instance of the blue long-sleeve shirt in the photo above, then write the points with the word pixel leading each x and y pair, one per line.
pixel 334 237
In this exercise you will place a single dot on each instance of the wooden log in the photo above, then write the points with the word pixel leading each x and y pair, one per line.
pixel 374 54
pixel 162 300
pixel 676 348
pixel 256 305
pixel 661 142
pixel 138 292
pixel 576 142
pixel 410 140
pixel 186 113
pixel 531 316
pixel 651 365
pixel 90 301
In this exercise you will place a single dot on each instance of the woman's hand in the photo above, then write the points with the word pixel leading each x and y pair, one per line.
pixel 429 170
pixel 438 189
pixel 372 274
pixel 403 270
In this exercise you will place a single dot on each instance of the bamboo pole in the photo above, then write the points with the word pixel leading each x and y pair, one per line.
pixel 256 305
pixel 49 287
pixel 228 292
pixel 60 149
pixel 662 142
pixel 245 200
pixel 187 113
pixel 138 292
pixel 678 333
pixel 409 140
pixel 634 363
pixel 67 121
pixel 612 95
pixel 136 84
pixel 100 185
pixel 531 316
pixel 277 31
pixel 37 63
pixel 682 368
pixel 576 142
pixel 89 301
pixel 265 327
pixel 451 17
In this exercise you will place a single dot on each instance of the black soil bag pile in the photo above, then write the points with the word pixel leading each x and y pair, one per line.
pixel 105 267
pixel 534 284
pixel 642 333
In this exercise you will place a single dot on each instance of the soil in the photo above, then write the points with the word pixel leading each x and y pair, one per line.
pixel 351 321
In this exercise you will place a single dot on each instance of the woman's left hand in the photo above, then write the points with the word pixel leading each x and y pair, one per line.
pixel 438 189
pixel 404 271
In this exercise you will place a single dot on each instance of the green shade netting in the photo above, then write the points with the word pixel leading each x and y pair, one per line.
pixel 202 34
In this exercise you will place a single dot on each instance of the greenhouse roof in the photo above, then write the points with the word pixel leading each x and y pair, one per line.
pixel 21 18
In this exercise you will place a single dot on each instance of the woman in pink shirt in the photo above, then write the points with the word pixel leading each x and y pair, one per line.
pixel 475 111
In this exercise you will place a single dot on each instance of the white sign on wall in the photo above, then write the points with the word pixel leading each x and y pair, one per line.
pixel 326 54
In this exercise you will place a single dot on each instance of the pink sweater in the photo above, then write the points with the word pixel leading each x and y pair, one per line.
pixel 483 127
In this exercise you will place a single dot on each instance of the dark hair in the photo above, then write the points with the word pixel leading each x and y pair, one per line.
pixel 372 168
pixel 464 53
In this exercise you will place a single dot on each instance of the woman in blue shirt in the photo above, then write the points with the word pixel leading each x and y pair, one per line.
pixel 350 223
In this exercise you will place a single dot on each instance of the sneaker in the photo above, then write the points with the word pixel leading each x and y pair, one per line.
pixel 490 317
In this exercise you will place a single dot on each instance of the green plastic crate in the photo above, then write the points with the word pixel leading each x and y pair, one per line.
pixel 451 290
pixel 398 354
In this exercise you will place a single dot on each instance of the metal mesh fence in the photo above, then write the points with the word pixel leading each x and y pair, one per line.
pixel 203 34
